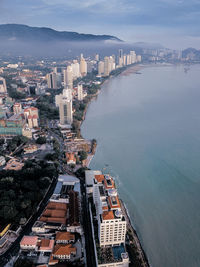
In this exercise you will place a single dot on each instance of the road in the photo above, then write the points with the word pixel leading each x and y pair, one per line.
pixel 89 242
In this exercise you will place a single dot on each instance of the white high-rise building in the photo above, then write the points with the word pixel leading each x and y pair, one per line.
pixel 133 57
pixel 120 58
pixel 83 66
pixel 52 80
pixel 100 68
pixel 3 87
pixel 64 102
pixel 128 59
pixel 68 77
pixel 76 69
pixel 139 58
pixel 80 92
pixel 109 65
pixel 124 60
pixel 97 57
pixel 111 222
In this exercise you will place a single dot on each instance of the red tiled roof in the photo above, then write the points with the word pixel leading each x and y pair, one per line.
pixel 64 236
pixel 108 215
pixel 46 244
pixel 99 178
pixel 29 240
pixel 63 249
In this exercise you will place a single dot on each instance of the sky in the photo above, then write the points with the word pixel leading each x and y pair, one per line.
pixel 172 23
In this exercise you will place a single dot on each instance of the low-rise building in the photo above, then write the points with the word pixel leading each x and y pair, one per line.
pixel 30 149
pixel 29 243
pixel 71 159
pixel 46 245
pixel 64 238
pixel 39 227
pixel 64 252
pixel 14 164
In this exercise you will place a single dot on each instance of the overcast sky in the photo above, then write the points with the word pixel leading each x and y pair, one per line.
pixel 173 23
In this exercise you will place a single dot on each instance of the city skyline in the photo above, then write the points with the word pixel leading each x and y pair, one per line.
pixel 171 23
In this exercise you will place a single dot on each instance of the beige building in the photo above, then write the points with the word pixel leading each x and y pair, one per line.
pixel 100 68
pixel 83 66
pixel 68 77
pixel 133 57
pixel 31 115
pixel 109 65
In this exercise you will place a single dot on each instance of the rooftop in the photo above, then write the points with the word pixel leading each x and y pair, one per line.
pixel 108 215
pixel 63 249
pixel 46 244
pixel 29 241
pixel 99 178
pixel 64 236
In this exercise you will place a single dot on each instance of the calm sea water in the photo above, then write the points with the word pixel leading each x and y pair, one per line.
pixel 148 132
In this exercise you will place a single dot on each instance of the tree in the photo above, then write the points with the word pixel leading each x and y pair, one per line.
pixel 82 155
pixel 41 140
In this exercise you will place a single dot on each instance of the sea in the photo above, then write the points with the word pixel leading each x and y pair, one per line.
pixel 147 127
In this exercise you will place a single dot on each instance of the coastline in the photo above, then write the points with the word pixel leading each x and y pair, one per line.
pixel 137 250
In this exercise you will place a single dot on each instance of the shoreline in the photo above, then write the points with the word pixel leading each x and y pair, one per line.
pixel 138 249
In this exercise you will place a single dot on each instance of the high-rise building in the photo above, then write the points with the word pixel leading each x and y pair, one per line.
pixel 120 53
pixel 109 65
pixel 124 60
pixel 133 57
pixel 64 101
pixel 52 80
pixel 80 92
pixel 139 58
pixel 83 66
pixel 111 222
pixel 68 77
pixel 128 59
pixel 97 57
pixel 106 66
pixel 100 68
pixel 3 87
pixel 75 69
pixel 120 58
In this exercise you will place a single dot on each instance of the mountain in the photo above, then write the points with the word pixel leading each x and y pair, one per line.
pixel 18 32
